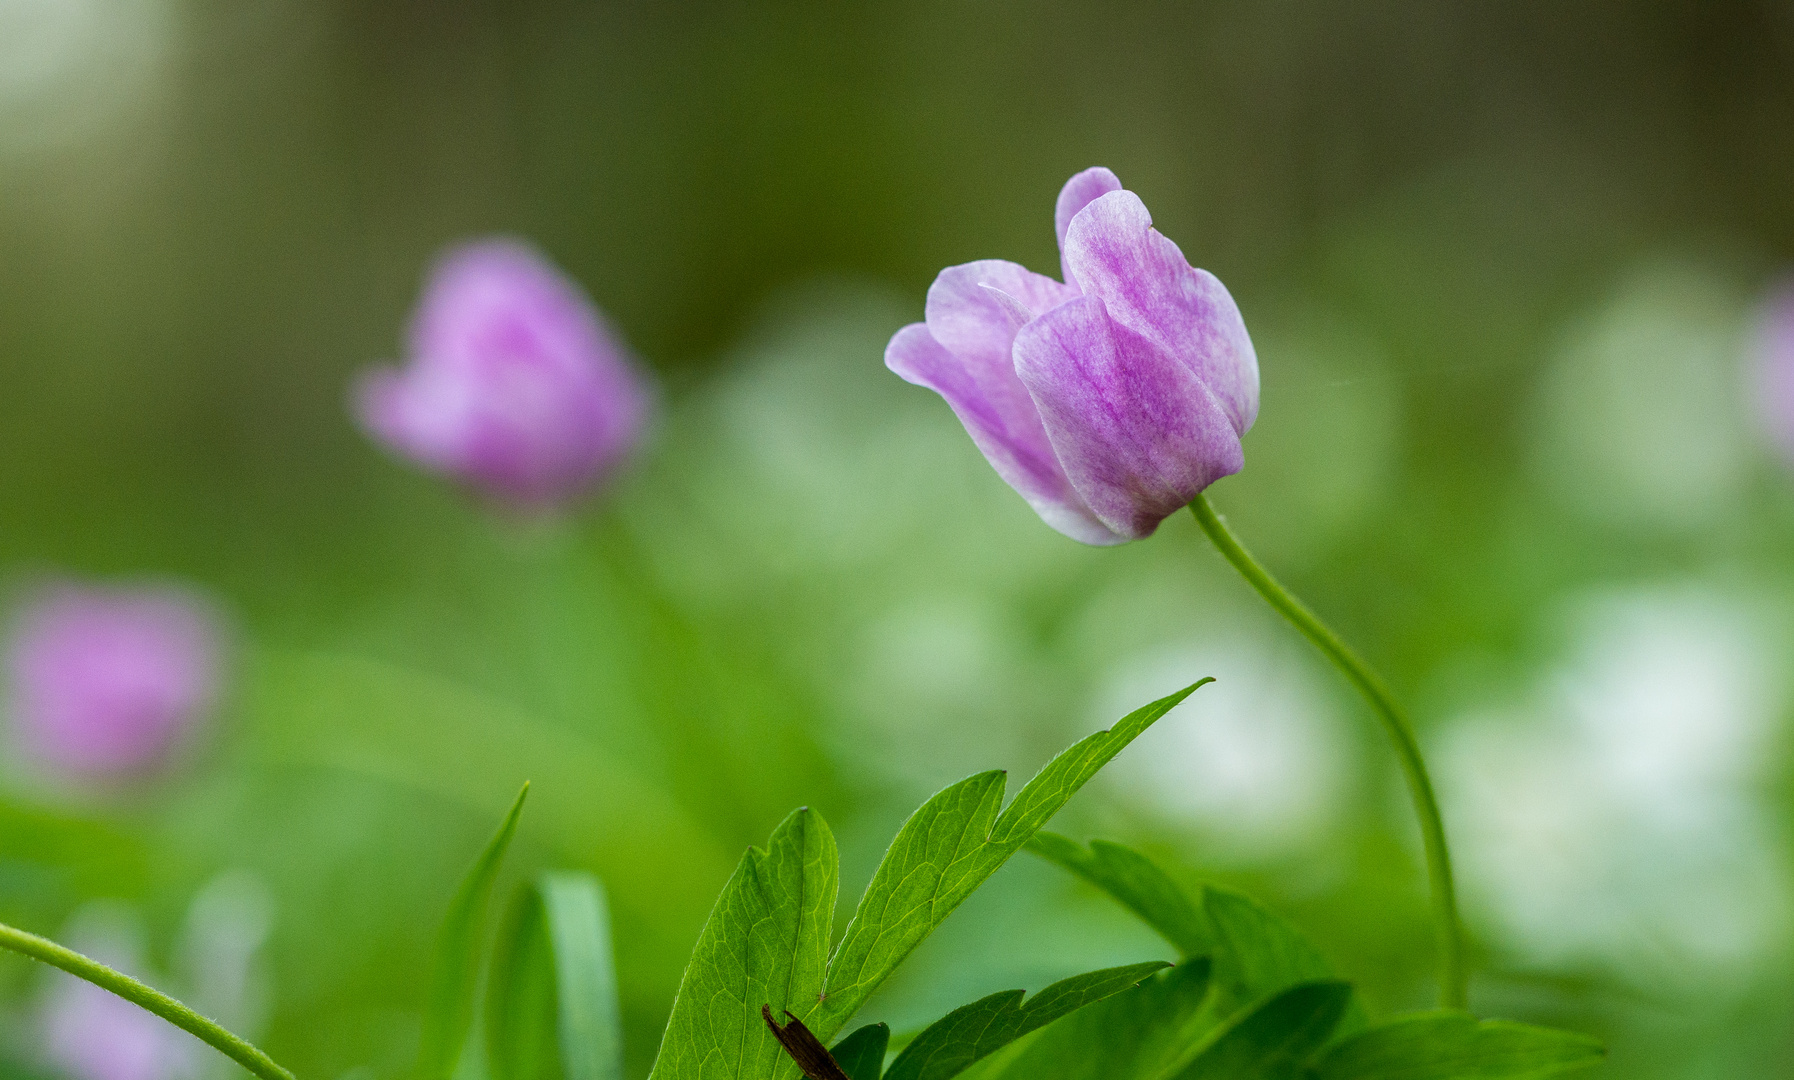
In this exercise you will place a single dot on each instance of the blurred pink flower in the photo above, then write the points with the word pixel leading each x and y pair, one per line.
pixel 1774 356
pixel 514 383
pixel 1108 401
pixel 105 682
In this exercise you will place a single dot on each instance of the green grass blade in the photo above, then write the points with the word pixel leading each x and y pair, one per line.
pixel 577 920
pixel 449 1016
pixel 953 1043
pixel 521 1001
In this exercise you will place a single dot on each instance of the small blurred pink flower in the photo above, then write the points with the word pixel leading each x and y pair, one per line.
pixel 104 682
pixel 1774 357
pixel 514 383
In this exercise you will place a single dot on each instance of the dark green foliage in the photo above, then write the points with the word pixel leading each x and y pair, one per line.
pixel 1272 1040
pixel 951 1044
pixel 861 1054
pixel 1456 1046
pixel 1266 1009
pixel 1138 883
pixel 1255 951
pixel 1136 1035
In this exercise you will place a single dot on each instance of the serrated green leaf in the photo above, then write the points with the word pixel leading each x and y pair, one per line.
pixel 1138 883
pixel 947 849
pixel 765 943
pixel 1256 951
pixel 449 1014
pixel 1260 952
pixel 1456 1046
pixel 862 1054
pixel 1136 1035
pixel 1272 1040
pixel 952 1043
pixel 578 924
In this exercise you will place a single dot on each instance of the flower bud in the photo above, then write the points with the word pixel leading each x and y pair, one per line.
pixel 514 384
pixel 105 682
pixel 1108 401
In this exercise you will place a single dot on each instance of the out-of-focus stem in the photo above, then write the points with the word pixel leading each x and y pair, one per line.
pixel 47 951
pixel 1453 975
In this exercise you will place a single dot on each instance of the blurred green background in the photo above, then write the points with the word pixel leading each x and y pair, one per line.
pixel 1499 260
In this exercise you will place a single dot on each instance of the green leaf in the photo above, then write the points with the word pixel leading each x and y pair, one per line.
pixel 522 1018
pixel 946 850
pixel 1456 1046
pixel 1138 883
pixel 1272 1040
pixel 450 1012
pixel 1260 952
pixel 1256 951
pixel 1136 1035
pixel 952 1043
pixel 765 943
pixel 578 923
pixel 862 1054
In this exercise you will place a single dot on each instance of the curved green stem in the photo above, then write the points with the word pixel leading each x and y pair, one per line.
pixel 47 951
pixel 1453 976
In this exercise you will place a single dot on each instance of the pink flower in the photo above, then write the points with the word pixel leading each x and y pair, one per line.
pixel 1774 355
pixel 514 383
pixel 1108 401
pixel 105 682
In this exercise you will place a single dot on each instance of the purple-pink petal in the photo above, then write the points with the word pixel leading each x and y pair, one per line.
pixel 1080 191
pixel 998 414
pixel 514 383
pixel 969 319
pixel 1149 287
pixel 1138 434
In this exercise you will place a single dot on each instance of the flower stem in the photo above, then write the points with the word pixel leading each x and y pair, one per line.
pixel 1453 976
pixel 154 1000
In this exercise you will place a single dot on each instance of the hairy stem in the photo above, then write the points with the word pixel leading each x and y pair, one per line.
pixel 154 1000
pixel 1453 976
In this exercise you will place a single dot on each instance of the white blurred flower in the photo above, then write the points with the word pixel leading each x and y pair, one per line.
pixel 219 957
pixel 92 1034
pixel 66 65
pixel 1620 821
pixel 1642 416
pixel 1257 760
